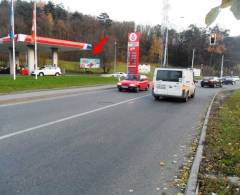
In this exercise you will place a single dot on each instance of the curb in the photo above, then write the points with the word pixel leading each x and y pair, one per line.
pixel 192 185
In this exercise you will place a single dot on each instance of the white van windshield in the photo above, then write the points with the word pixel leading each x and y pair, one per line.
pixel 169 75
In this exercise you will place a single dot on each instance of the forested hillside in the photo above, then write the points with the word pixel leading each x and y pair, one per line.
pixel 55 21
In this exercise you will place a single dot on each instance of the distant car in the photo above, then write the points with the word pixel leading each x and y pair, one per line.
pixel 4 70
pixel 228 80
pixel 211 82
pixel 48 71
pixel 24 71
pixel 119 75
pixel 235 78
pixel 134 83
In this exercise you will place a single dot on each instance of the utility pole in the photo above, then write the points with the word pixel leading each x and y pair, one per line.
pixel 115 55
pixel 35 38
pixel 12 36
pixel 221 73
pixel 193 57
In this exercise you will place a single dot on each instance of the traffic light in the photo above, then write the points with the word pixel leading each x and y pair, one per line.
pixel 213 39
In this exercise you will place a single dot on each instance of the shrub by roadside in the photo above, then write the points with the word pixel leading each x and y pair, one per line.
pixel 220 167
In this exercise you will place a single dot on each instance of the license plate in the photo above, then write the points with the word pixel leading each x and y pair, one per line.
pixel 125 87
pixel 161 86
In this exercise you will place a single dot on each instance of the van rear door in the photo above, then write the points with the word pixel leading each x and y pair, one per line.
pixel 168 82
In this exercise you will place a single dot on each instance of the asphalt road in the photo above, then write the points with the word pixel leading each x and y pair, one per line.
pixel 98 143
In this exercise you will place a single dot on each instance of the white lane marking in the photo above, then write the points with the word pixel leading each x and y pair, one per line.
pixel 42 98
pixel 69 118
pixel 131 190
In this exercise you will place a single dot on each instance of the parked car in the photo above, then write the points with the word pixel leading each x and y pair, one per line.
pixel 24 71
pixel 119 75
pixel 170 82
pixel 211 82
pixel 48 70
pixel 4 70
pixel 236 78
pixel 134 83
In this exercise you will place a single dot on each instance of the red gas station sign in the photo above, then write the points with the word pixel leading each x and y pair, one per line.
pixel 133 52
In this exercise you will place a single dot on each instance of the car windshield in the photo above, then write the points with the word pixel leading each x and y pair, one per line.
pixel 169 75
pixel 132 77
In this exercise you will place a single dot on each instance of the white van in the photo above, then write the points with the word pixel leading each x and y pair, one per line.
pixel 171 82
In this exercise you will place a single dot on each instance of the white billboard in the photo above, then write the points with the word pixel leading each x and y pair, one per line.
pixel 197 72
pixel 144 68
pixel 89 63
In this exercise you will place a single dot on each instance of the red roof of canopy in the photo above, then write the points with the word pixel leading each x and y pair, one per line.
pixel 63 45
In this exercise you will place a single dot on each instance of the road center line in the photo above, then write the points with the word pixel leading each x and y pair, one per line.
pixel 68 118
pixel 49 98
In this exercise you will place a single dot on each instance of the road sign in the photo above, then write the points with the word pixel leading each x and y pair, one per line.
pixel 133 52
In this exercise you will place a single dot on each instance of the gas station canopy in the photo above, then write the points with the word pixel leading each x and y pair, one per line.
pixel 25 43
pixel 21 41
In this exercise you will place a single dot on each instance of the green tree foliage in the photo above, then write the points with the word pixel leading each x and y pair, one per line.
pixel 214 12
pixel 156 49
pixel 4 13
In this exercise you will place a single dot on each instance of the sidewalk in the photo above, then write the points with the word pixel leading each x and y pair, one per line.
pixel 43 94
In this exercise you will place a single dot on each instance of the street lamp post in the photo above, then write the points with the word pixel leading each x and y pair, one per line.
pixel 165 50
pixel 165 59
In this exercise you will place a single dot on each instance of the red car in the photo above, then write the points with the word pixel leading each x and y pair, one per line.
pixel 134 83
pixel 24 71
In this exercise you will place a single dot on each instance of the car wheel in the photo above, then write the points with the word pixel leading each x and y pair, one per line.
pixel 137 89
pixel 156 97
pixel 202 85
pixel 147 88
pixel 185 99
pixel 57 74
pixel 41 74
pixel 193 95
pixel 119 89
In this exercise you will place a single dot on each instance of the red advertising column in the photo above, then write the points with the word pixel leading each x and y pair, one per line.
pixel 133 52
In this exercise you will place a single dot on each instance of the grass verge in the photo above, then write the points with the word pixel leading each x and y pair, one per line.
pixel 23 83
pixel 73 68
pixel 221 161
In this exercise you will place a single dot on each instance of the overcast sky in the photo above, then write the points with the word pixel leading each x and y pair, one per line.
pixel 182 13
